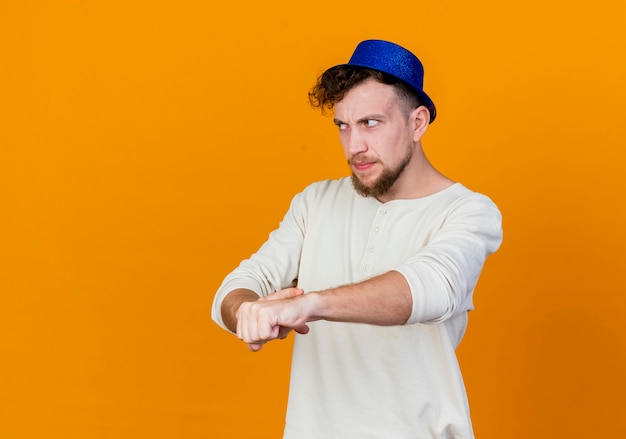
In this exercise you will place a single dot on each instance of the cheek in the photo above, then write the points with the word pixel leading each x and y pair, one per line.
pixel 344 139
pixel 391 147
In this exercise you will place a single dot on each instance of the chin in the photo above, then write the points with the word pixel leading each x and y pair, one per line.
pixel 365 190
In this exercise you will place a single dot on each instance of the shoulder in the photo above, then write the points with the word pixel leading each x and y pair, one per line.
pixel 325 189
pixel 476 212
pixel 455 198
pixel 328 185
pixel 464 199
pixel 459 206
pixel 326 198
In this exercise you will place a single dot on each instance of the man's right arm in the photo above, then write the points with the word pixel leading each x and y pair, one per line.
pixel 273 267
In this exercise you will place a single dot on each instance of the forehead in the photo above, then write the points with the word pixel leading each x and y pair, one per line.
pixel 368 97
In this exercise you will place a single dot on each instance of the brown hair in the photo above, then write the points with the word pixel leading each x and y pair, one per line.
pixel 334 83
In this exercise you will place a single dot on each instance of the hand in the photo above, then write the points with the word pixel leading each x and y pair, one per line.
pixel 287 293
pixel 271 317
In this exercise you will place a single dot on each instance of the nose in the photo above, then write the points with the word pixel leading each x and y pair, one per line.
pixel 353 142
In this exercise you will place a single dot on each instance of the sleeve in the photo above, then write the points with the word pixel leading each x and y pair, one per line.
pixel 274 266
pixel 443 274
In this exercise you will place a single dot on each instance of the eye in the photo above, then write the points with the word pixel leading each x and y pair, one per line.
pixel 371 122
pixel 342 126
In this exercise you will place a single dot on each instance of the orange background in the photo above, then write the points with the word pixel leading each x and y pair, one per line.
pixel 148 146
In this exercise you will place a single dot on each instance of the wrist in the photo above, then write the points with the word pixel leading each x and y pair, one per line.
pixel 231 304
pixel 315 304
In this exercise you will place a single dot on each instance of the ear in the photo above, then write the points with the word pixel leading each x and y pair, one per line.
pixel 419 120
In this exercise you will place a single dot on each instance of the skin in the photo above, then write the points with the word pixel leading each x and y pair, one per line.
pixel 380 137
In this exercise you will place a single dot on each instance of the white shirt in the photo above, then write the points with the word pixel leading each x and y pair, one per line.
pixel 363 381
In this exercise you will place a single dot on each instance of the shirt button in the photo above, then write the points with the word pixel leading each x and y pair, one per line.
pixel 376 229
pixel 365 268
pixel 371 249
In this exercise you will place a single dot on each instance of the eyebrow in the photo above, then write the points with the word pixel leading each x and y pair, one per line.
pixel 362 119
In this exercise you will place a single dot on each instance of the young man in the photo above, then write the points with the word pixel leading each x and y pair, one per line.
pixel 375 272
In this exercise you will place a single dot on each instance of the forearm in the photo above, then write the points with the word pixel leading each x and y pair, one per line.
pixel 231 304
pixel 383 300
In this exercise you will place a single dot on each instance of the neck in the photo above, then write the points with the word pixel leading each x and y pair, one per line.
pixel 419 179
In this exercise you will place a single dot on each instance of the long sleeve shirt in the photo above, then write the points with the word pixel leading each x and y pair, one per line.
pixel 364 381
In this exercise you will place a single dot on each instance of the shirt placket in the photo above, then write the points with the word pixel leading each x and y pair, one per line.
pixel 376 234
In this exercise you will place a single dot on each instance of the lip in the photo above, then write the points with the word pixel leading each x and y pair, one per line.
pixel 363 166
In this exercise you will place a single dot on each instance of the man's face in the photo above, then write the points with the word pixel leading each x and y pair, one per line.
pixel 376 136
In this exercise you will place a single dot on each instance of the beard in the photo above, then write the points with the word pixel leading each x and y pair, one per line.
pixel 384 182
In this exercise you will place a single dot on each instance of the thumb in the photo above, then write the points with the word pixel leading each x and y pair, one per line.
pixel 287 293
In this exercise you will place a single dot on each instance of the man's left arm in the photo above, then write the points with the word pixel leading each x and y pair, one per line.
pixel 262 321
pixel 433 285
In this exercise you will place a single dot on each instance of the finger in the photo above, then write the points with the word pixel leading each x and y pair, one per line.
pixel 245 322
pixel 255 325
pixel 296 292
pixel 252 326
pixel 287 293
pixel 255 347
pixel 239 318
pixel 304 329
